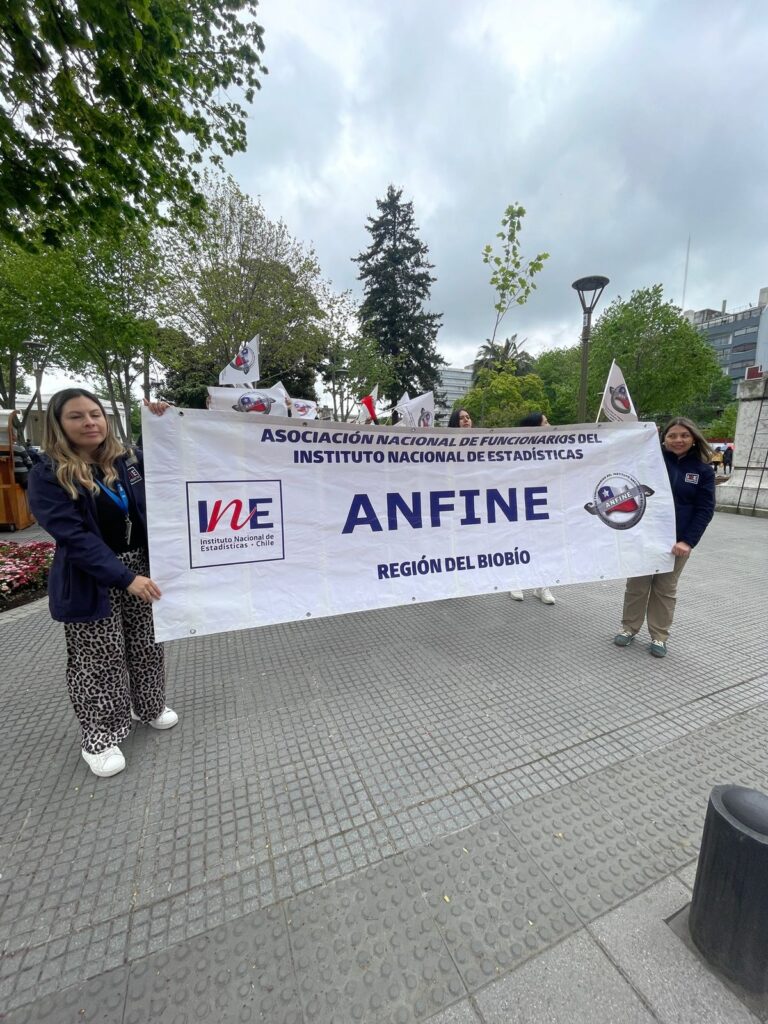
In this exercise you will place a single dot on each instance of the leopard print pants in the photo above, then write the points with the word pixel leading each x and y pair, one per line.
pixel 114 663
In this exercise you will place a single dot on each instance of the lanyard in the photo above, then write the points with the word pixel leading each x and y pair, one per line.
pixel 120 499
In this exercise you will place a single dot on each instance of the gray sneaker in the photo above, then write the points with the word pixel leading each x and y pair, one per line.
pixel 516 595
pixel 624 638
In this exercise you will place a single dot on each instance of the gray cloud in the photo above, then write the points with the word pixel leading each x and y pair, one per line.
pixel 622 128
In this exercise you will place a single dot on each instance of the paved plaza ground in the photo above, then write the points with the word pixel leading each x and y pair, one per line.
pixel 462 812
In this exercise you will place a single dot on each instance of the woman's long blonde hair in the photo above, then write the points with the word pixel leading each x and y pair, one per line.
pixel 71 468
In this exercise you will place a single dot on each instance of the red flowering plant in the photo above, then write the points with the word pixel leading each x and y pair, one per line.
pixel 23 571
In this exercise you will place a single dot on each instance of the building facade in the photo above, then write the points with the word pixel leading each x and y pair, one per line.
pixel 455 382
pixel 740 339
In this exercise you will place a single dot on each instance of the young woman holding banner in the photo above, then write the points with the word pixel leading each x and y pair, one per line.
pixel 88 493
pixel 652 598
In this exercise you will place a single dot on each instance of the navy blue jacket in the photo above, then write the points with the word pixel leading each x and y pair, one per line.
pixel 84 567
pixel 693 490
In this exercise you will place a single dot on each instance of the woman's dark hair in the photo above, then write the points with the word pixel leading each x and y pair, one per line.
pixel 453 420
pixel 700 446
pixel 533 419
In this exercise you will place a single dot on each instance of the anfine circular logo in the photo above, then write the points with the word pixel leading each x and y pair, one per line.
pixel 620 501
pixel 244 360
pixel 620 400
pixel 254 401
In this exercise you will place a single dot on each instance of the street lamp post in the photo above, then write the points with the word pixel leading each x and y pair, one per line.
pixel 590 289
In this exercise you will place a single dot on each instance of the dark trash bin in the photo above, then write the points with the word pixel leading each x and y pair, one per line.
pixel 728 918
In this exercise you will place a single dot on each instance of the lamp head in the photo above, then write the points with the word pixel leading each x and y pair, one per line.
pixel 590 289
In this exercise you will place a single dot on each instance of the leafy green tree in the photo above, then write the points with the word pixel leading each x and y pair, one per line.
pixel 353 363
pixel 724 427
pixel 121 276
pixel 667 364
pixel 187 372
pixel 395 271
pixel 512 276
pixel 707 408
pixel 238 275
pixel 500 399
pixel 107 109
pixel 39 310
pixel 558 369
pixel 506 355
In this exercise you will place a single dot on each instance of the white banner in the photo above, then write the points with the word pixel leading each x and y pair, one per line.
pixel 254 521
pixel 266 401
pixel 417 412
pixel 617 402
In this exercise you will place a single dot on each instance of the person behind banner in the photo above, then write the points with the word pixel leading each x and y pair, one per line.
pixel 652 598
pixel 88 493
pixel 544 594
pixel 460 418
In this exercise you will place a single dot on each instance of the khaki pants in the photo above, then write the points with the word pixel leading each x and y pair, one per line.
pixel 652 598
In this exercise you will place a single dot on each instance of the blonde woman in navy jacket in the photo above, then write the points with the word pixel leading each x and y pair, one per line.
pixel 88 493
pixel 652 598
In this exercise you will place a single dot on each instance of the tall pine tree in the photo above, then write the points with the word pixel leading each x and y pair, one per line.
pixel 395 272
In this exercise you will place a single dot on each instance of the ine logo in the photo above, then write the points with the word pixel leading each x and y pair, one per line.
pixel 234 521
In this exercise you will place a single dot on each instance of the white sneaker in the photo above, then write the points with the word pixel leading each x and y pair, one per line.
pixel 108 762
pixel 544 594
pixel 516 595
pixel 165 720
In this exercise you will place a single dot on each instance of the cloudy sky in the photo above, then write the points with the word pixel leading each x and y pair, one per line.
pixel 622 126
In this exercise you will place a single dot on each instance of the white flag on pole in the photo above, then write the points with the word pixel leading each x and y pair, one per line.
pixel 417 412
pixel 304 408
pixel 617 403
pixel 244 368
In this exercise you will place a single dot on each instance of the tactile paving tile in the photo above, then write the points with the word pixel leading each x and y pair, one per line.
pixel 419 825
pixel 328 859
pixel 62 962
pixel 239 972
pixel 661 797
pixel 586 852
pixel 100 1000
pixel 366 949
pixel 401 769
pixel 519 784
pixel 745 735
pixel 492 904
pixel 313 800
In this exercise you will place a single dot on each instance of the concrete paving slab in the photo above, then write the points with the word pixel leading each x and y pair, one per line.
pixel 461 1013
pixel 98 1001
pixel 292 771
pixel 492 904
pixel 673 982
pixel 237 972
pixel 586 852
pixel 366 949
pixel 687 875
pixel 573 983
